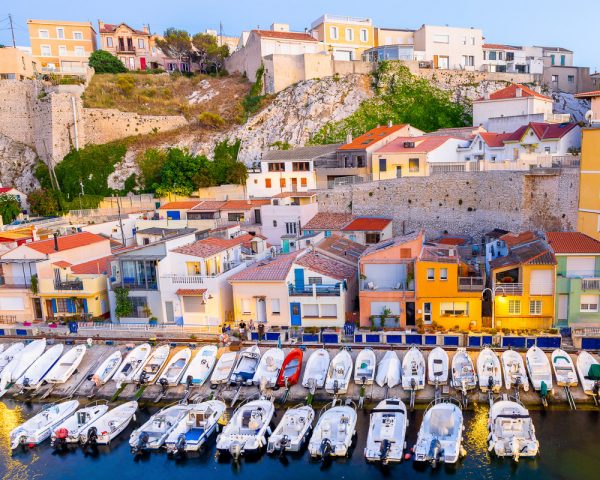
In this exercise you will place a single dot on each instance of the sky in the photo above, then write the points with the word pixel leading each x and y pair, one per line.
pixel 515 22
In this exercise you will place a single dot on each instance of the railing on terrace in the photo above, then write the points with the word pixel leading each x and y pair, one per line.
pixel 350 180
pixel 38 223
pixel 447 168
pixel 336 163
pixel 403 286
pixel 470 284
pixel 563 160
pixel 69 285
pixel 186 279
pixel 8 318
pixel 509 288
pixel 590 283
pixel 314 289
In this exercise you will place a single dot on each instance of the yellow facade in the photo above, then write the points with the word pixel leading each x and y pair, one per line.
pixel 441 300
pixel 399 165
pixel 91 298
pixel 523 305
pixel 588 220
pixel 16 64
pixel 346 37
pixel 61 46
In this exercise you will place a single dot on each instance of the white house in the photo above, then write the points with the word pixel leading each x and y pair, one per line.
pixel 512 59
pixel 454 48
pixel 18 195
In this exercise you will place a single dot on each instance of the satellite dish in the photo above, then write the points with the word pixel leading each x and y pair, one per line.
pixel 589 115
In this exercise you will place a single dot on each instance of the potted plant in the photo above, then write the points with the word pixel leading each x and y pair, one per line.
pixel 410 279
pixel 153 321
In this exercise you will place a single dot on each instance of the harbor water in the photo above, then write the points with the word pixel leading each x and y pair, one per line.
pixel 569 442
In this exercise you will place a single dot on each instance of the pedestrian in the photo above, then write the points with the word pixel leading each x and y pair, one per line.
pixel 251 325
pixel 242 327
pixel 261 331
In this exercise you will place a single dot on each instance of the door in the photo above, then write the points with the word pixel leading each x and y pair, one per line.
pixel 563 308
pixel 295 314
pixel 50 308
pixel 170 312
pixel 294 184
pixel 443 63
pixel 131 63
pixel 257 218
pixel 410 314
pixel 37 308
pixel 261 310
pixel 142 63
pixel 399 171
pixel 299 278
pixel 285 246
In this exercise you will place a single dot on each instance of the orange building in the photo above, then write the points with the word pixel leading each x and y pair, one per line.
pixel 135 48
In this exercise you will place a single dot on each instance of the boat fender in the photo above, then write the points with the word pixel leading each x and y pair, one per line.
pixel 407 456
pixel 463 452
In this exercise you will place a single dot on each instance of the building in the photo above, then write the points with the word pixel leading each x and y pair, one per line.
pixel 449 288
pixel 231 42
pixel 387 290
pixel 299 289
pixel 16 64
pixel 368 230
pixel 568 79
pixel 453 48
pixel 577 279
pixel 219 213
pixel 327 222
pixel 61 46
pixel 512 59
pixel 176 210
pixel 135 48
pixel 340 248
pixel 523 283
pixel 288 170
pixel 588 218
pixel 16 194
pixel 593 97
pixel 346 38
pixel 392 44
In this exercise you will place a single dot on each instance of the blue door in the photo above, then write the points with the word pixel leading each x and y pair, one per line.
pixel 174 214
pixel 285 246
pixel 299 279
pixel 295 314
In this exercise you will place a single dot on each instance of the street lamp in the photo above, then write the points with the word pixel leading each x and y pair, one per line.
pixel 493 291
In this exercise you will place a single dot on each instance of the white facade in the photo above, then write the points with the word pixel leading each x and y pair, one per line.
pixel 284 217
pixel 452 48
pixel 513 59
pixel 486 109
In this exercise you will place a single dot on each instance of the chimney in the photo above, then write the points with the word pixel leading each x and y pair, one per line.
pixel 519 92
pixel 55 235
pixel 146 28
pixel 390 124
pixel 349 138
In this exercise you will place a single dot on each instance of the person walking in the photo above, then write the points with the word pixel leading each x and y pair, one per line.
pixel 261 331
pixel 242 327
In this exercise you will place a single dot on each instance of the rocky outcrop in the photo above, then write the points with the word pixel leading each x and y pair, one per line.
pixel 17 161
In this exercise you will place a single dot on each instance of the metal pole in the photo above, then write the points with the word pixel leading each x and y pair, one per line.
pixel 12 30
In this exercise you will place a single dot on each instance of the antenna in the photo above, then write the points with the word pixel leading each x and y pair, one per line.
pixel 12 30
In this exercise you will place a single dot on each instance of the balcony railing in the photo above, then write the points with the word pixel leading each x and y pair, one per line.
pixel 125 49
pixel 590 283
pixel 470 284
pixel 186 279
pixel 402 286
pixel 314 289
pixel 509 288
pixel 69 285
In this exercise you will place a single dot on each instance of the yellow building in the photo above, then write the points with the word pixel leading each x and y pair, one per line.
pixel 449 291
pixel 588 220
pixel 522 283
pixel 62 46
pixel 345 37
pixel 16 64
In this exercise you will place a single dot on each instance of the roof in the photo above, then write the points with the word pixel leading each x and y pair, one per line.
pixel 511 92
pixel 327 266
pixel 544 131
pixel 459 132
pixel 164 232
pixel 499 46
pixel 7 189
pixel 110 28
pixel 207 247
pixel 534 253
pixel 267 271
pixel 67 242
pixel 424 144
pixel 372 136
pixel 452 241
pixel 339 246
pixel 398 240
pixel 496 233
pixel 297 36
pixel 572 242
pixel 294 194
pixel 513 239
pixel 191 292
pixel 244 204
pixel 494 140
pixel 328 221
pixel 592 94
pixel 181 205
pixel 209 205
pixel 62 264
pixel 98 266
pixel 301 153
pixel 370 224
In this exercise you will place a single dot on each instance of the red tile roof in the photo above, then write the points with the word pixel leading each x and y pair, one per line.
pixel 294 194
pixel 244 204
pixel 494 140
pixel 275 270
pixel 110 28
pixel 511 92
pixel 207 247
pixel 593 94
pixel 367 139
pixel 181 205
pixel 572 242
pixel 328 221
pixel 67 242
pixel 498 46
pixel 423 144
pixel 544 131
pixel 370 224
pixel 191 292
pixel 62 264
pixel 298 36
pixel 6 189
pixel 327 266
pixel 98 266
pixel 451 241
pixel 513 239
pixel 209 206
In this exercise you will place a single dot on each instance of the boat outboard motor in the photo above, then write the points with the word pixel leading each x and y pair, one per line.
pixel 596 387
pixel 141 444
pixel 164 383
pixel 143 377
pixel 235 450
pixel 435 452
pixel 413 383
pixel 384 450
pixel 26 382
pixel 336 387
pixel 189 381
pixel 92 437
pixel 490 382
pixel 60 438
pixel 326 448
pixel 283 443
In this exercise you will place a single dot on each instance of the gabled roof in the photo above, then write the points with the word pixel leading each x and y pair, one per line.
pixel 370 224
pixel 466 133
pixel 297 36
pixel 244 204
pixel 209 206
pixel 572 242
pixel 67 242
pixel 7 189
pixel 207 247
pixel 423 144
pixel 511 92
pixel 98 266
pixel 588 95
pixel 372 136
pixel 398 240
pixel 536 252
pixel 499 46
pixel 512 239
pixel 494 140
pixel 341 247
pixel 328 221
pixel 300 153
pixel 327 266
pixel 275 270
pixel 110 28
pixel 544 131
pixel 180 205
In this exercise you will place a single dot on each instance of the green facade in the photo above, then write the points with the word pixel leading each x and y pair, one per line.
pixel 573 288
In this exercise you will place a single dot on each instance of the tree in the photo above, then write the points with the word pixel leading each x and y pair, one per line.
pixel 179 170
pixel 43 202
pixel 176 44
pixel 151 163
pixel 104 62
pixel 208 53
pixel 123 307
pixel 9 208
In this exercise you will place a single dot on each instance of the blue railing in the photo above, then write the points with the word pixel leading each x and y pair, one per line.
pixel 329 290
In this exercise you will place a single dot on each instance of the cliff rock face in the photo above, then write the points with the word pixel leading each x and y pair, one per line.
pixel 17 161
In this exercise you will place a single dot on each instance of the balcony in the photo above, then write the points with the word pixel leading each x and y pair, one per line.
pixel 69 285
pixel 470 284
pixel 185 279
pixel 126 49
pixel 89 283
pixel 315 290
pixel 590 284
pixel 509 288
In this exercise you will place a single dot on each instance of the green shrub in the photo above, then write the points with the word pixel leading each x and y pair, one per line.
pixel 104 62
pixel 210 119
pixel 126 83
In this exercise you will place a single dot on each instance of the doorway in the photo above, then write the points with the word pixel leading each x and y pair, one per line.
pixel 142 63
pixel 49 309
pixel 170 312
pixel 295 315
pixel 261 310
pixel 410 314
pixel 37 309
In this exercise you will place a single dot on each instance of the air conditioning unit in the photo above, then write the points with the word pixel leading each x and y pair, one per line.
pixel 409 144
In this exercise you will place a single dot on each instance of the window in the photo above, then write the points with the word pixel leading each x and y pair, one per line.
pixel 562 60
pixel 500 55
pixel 349 35
pixel 80 51
pixel 455 309
pixel 315 280
pixel 468 60
pixel 109 42
pixel 193 268
pixel 303 182
pixel 552 59
pixel 430 274
pixel 275 306
pixel 372 238
pixel 310 310
pixel 267 183
pixel 333 33
pixel 276 167
pixel 571 79
pixel 246 305
pixel 62 51
pixel 139 307
pixel 535 307
pixel 291 228
pixel 443 273
pixel 43 34
pixel 300 166
pixel 413 165
pixel 588 303
pixel 472 40
pixel 510 56
pixel 554 78
pixel 441 39
pixel 235 217
pixel 547 149
pixel 141 43
pixel 364 35
pixel 45 50
pixel 60 32
pixel 514 307
pixel 77 36
pixel 382 165
pixel 282 182
pixel 492 55
pixel 274 223
pixel 427 312
pixel 464 40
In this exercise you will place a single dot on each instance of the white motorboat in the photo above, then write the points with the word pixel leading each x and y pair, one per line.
pixel 173 372
pixel 564 369
pixel 223 368
pixel 107 368
pixel 2 345
pixel 246 366
pixel 268 368
pixel 388 370
pixel 9 353
pixel 539 369
pixel 413 370
pixel 106 428
pixel 247 431
pixel 196 427
pixel 364 367
pixel 20 363
pixel 512 433
pixel 69 430
pixel 514 370
pixel 292 431
pixel 588 373
pixel 132 364
pixel 201 366
pixel 34 376
pixel 152 367
pixel 316 368
pixel 387 432
pixel 339 373
pixel 464 377
pixel 333 434
pixel 67 365
pixel 437 367
pixel 153 434
pixel 40 427
pixel 440 435
pixel 489 371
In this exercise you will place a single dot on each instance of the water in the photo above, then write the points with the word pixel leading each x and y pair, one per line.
pixel 569 450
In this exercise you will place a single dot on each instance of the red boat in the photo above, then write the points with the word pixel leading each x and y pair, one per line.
pixel 290 370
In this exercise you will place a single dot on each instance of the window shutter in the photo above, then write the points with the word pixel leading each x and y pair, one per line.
pixel 54 309
pixel 70 306
pixel 85 306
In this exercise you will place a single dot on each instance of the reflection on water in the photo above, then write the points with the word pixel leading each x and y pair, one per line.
pixel 569 443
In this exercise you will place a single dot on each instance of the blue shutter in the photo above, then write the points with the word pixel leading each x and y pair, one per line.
pixel 85 307
pixel 54 309
pixel 70 306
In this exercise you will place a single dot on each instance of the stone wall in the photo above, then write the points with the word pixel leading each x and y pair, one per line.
pixel 465 203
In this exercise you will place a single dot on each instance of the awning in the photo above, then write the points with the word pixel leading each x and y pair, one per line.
pixel 191 292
